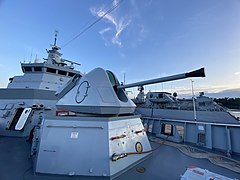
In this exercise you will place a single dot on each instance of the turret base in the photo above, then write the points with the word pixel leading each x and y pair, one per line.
pixel 90 146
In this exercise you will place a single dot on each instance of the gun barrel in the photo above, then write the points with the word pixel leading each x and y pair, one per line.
pixel 197 73
pixel 72 62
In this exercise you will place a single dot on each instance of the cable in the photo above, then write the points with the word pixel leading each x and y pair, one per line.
pixel 144 152
pixel 115 156
pixel 91 19
pixel 96 21
pixel 219 160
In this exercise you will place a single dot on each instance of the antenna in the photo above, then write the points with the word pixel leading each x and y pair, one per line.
pixel 31 55
pixel 85 27
pixel 55 39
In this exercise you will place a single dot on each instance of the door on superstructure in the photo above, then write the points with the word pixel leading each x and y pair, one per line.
pixel 19 119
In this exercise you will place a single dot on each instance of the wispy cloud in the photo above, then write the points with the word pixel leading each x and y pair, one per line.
pixel 104 30
pixel 119 23
pixel 237 73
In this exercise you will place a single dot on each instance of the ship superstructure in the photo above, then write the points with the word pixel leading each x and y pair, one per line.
pixel 34 91
pixel 49 75
pixel 168 106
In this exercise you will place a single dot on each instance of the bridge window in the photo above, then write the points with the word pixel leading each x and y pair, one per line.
pixel 71 74
pixel 50 70
pixel 38 69
pixel 27 69
pixel 62 72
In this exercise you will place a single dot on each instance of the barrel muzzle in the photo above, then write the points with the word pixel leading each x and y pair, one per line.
pixel 197 73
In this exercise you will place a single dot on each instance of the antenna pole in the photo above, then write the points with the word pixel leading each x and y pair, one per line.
pixel 55 39
pixel 31 55
pixel 193 99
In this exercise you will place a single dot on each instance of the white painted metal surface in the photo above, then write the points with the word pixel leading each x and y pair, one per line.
pixel 94 94
pixel 197 173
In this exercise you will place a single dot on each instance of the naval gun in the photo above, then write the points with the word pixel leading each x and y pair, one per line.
pixel 104 138
pixel 99 92
pixel 197 73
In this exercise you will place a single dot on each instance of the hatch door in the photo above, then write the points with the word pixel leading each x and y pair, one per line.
pixel 23 119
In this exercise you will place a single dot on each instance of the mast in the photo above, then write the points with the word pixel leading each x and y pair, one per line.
pixel 193 99
pixel 54 56
pixel 55 39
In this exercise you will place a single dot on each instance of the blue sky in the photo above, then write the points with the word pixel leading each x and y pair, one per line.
pixel 142 38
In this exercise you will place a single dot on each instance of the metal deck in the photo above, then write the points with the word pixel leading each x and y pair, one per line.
pixel 167 162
